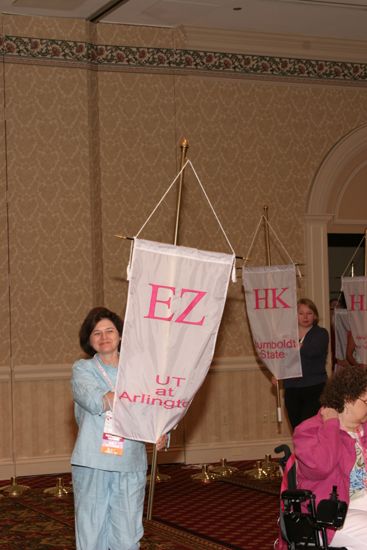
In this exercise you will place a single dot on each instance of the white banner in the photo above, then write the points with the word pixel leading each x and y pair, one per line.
pixel 355 292
pixel 271 304
pixel 175 305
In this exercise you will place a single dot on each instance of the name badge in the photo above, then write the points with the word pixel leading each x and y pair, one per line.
pixel 111 444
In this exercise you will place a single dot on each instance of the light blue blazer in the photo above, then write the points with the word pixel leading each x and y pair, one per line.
pixel 89 387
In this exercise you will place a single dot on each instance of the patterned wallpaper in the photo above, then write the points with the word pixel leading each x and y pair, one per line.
pixel 92 143
pixel 252 144
pixel 49 208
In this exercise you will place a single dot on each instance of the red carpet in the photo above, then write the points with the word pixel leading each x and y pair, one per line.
pixel 239 518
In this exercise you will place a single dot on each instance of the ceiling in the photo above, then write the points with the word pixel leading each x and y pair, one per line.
pixel 341 19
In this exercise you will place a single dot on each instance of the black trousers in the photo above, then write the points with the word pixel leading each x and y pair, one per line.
pixel 302 403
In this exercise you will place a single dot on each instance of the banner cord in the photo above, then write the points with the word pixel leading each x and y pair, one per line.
pixel 188 162
pixel 354 255
pixel 212 208
pixel 162 199
pixel 263 218
pixel 247 257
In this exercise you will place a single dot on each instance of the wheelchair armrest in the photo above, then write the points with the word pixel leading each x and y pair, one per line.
pixel 297 495
pixel 331 513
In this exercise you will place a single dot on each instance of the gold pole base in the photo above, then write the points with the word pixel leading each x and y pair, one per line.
pixel 14 490
pixel 159 477
pixel 264 470
pixel 224 470
pixel 256 473
pixel 205 476
pixel 60 490
pixel 271 468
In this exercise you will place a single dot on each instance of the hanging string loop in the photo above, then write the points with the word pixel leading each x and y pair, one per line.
pixel 189 163
pixel 266 221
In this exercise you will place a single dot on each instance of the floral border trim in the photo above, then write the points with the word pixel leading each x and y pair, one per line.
pixel 177 59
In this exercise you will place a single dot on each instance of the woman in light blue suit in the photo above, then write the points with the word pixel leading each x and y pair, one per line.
pixel 109 472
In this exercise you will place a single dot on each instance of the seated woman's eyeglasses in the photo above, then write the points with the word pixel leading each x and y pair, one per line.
pixel 363 400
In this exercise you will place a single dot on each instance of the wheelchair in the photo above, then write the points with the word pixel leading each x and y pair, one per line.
pixel 302 524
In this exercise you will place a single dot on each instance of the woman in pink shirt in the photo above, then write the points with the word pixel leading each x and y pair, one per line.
pixel 331 449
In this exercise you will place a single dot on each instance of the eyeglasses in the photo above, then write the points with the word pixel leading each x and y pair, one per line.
pixel 363 400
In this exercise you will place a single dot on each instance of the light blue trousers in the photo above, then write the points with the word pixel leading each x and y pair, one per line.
pixel 108 508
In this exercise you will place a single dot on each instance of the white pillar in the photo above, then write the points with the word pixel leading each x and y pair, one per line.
pixel 317 265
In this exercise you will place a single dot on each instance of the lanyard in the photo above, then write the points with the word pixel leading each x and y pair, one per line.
pixel 103 372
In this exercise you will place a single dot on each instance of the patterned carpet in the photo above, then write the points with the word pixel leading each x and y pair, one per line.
pixel 187 515
pixel 270 486
pixel 232 515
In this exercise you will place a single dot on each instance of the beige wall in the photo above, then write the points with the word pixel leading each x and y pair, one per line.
pixel 87 152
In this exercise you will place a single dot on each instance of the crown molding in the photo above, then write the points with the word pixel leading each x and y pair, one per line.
pixel 288 45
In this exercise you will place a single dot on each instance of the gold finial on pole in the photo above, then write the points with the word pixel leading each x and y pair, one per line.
pixel 184 147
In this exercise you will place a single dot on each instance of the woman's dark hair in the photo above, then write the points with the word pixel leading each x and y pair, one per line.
pixel 341 300
pixel 338 302
pixel 94 316
pixel 309 303
pixel 345 386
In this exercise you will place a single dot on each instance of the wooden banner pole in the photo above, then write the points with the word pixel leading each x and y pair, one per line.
pixel 153 468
